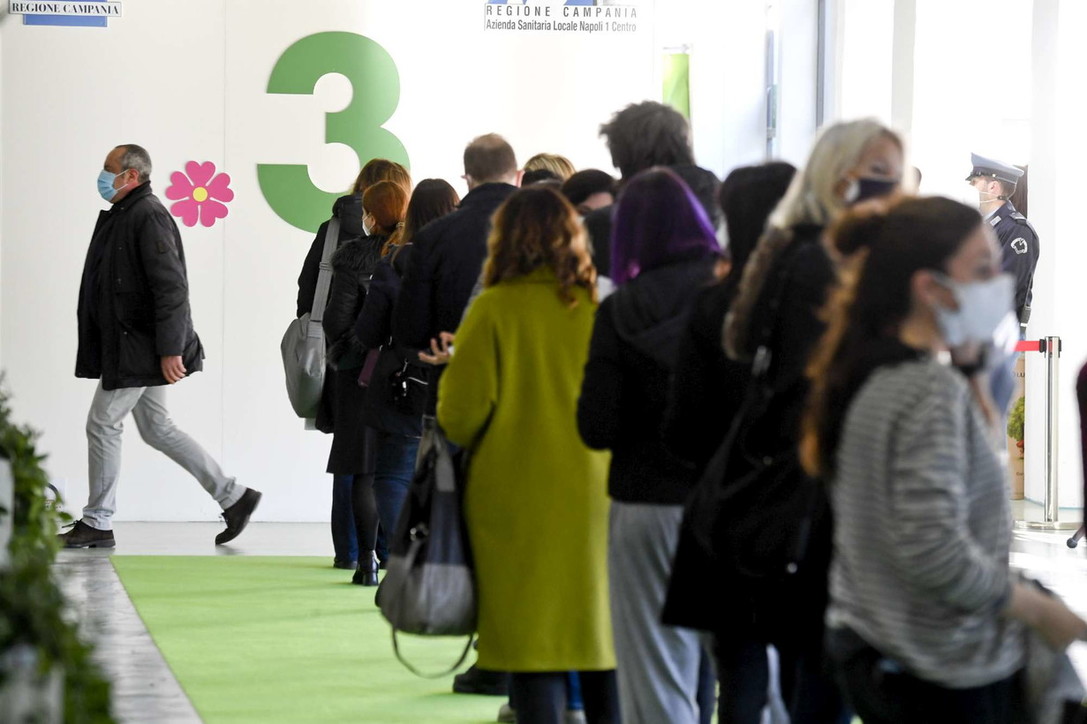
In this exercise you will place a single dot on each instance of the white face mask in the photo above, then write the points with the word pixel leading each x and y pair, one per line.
pixel 983 306
pixel 366 228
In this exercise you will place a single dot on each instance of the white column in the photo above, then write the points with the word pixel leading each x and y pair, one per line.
pixel 902 65
pixel 1058 157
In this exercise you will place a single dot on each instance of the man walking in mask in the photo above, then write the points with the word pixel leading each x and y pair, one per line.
pixel 136 335
pixel 995 182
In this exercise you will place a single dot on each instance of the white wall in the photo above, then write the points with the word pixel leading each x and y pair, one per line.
pixel 197 92
pixel 728 104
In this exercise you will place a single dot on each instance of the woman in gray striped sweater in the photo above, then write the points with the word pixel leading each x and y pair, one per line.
pixel 926 621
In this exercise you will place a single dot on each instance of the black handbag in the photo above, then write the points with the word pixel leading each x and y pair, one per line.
pixel 429 588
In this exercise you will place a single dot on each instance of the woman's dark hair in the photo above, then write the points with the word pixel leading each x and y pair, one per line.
pixel 883 248
pixel 432 198
pixel 381 169
pixel 647 134
pixel 746 197
pixel 1018 196
pixel 584 184
pixel 538 227
pixel 658 221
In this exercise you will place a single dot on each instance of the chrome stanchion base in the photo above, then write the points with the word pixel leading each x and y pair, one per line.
pixel 1043 525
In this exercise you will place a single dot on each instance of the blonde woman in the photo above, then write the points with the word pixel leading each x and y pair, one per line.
pixel 781 294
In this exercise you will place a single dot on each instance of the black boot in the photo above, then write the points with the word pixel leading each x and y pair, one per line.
pixel 366 572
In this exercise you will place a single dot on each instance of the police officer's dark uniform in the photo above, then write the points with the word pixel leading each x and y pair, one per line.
pixel 1018 240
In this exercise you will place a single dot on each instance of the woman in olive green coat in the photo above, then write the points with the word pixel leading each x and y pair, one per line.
pixel 536 502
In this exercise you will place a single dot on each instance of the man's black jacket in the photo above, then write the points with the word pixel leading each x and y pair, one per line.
pixel 134 297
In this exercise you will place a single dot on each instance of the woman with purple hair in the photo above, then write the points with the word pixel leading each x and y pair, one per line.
pixel 663 250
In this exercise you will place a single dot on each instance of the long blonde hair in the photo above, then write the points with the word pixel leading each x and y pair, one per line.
pixel 814 196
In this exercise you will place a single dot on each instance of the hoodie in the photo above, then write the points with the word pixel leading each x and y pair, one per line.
pixel 625 390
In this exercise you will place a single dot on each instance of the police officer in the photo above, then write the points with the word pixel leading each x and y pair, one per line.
pixel 995 182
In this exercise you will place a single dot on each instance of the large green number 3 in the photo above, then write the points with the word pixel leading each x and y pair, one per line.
pixel 288 188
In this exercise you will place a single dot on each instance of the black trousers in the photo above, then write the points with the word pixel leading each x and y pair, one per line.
pixel 540 697
pixel 881 692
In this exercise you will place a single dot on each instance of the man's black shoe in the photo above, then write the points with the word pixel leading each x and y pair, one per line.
pixel 237 516
pixel 482 681
pixel 83 536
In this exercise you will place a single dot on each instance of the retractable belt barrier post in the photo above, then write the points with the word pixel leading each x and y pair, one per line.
pixel 1051 348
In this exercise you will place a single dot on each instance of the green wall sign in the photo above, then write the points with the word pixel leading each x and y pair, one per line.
pixel 375 85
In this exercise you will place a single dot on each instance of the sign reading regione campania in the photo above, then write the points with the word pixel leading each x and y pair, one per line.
pixel 588 17
pixel 87 14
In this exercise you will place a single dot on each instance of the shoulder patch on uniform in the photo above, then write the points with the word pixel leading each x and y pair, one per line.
pixel 1017 216
pixel 994 221
pixel 1019 245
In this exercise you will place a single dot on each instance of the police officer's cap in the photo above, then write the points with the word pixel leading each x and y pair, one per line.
pixel 992 168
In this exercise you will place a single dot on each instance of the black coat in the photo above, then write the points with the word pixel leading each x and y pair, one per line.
pixel 348 209
pixel 625 390
pixel 444 266
pixel 446 261
pixel 708 388
pixel 392 405
pixel 793 617
pixel 134 297
pixel 352 442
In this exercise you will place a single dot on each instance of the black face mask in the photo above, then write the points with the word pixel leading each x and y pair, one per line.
pixel 864 189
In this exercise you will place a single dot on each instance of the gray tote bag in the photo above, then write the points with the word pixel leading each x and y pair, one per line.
pixel 303 344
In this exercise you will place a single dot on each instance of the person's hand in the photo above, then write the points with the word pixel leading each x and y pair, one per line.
pixel 173 369
pixel 441 350
pixel 1046 614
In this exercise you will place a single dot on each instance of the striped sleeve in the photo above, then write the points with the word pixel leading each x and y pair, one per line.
pixel 931 542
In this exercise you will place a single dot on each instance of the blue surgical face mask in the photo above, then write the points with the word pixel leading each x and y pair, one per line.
pixel 105 184
pixel 983 306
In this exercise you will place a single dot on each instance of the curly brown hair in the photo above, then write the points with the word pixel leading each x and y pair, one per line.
pixel 537 227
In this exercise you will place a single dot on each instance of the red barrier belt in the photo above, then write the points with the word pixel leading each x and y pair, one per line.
pixel 1029 345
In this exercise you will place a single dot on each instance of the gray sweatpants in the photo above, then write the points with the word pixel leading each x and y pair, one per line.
pixel 657 664
pixel 105 422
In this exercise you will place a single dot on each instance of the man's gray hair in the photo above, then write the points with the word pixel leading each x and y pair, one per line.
pixel 138 158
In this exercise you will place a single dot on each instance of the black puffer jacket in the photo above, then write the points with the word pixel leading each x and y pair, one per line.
pixel 625 390
pixel 348 209
pixel 134 297
pixel 352 266
pixel 397 395
pixel 341 409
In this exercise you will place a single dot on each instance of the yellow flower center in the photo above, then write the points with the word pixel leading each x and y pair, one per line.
pixel 200 194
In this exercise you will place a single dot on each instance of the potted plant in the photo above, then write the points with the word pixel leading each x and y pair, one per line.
pixel 46 672
pixel 1016 433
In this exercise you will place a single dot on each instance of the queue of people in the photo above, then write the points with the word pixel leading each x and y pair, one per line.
pixel 594 347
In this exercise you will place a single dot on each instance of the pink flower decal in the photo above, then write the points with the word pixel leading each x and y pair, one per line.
pixel 198 193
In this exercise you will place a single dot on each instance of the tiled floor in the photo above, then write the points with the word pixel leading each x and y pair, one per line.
pixel 146 691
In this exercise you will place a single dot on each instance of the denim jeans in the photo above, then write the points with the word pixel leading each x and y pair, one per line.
pixel 344 541
pixel 395 467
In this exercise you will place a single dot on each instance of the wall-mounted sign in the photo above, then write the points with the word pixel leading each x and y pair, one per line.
pixel 88 14
pixel 586 17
